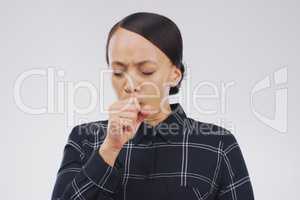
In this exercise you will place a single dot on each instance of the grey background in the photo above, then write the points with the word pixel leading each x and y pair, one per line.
pixel 224 41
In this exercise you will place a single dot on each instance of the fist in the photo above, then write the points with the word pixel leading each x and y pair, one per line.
pixel 125 117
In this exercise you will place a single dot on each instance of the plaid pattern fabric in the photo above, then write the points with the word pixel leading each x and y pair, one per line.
pixel 179 158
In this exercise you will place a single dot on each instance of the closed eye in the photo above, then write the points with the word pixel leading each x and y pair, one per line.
pixel 147 73
pixel 118 73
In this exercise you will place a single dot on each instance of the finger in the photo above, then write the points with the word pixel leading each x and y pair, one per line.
pixel 114 127
pixel 131 104
pixel 128 115
pixel 126 121
pixel 128 125
pixel 123 107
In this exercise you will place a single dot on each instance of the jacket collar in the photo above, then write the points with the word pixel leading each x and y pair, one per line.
pixel 169 130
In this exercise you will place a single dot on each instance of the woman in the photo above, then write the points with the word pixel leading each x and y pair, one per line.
pixel 149 148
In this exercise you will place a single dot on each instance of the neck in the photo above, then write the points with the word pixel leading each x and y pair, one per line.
pixel 159 116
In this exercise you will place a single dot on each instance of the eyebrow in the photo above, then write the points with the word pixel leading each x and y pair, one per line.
pixel 136 64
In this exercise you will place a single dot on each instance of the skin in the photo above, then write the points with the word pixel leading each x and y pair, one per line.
pixel 142 77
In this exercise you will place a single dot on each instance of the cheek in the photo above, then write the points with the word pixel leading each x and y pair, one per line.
pixel 154 86
pixel 160 81
pixel 117 85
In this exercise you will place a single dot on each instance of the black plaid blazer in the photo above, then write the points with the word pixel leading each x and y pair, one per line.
pixel 179 158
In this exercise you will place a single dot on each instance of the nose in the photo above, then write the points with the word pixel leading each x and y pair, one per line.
pixel 130 89
pixel 131 86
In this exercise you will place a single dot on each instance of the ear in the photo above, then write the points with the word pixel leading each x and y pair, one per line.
pixel 175 76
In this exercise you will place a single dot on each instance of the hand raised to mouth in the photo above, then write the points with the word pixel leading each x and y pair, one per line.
pixel 125 116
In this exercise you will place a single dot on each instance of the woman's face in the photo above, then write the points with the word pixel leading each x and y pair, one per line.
pixel 137 63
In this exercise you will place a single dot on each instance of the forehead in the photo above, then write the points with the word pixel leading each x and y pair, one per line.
pixel 128 46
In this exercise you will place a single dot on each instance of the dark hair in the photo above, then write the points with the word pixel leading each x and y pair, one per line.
pixel 159 30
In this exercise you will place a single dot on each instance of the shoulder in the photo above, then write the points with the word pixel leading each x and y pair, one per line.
pixel 88 131
pixel 210 132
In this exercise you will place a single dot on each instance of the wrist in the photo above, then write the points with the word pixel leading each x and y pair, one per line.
pixel 108 154
pixel 106 145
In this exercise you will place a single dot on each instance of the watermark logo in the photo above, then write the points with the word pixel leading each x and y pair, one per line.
pixel 61 95
pixel 280 119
